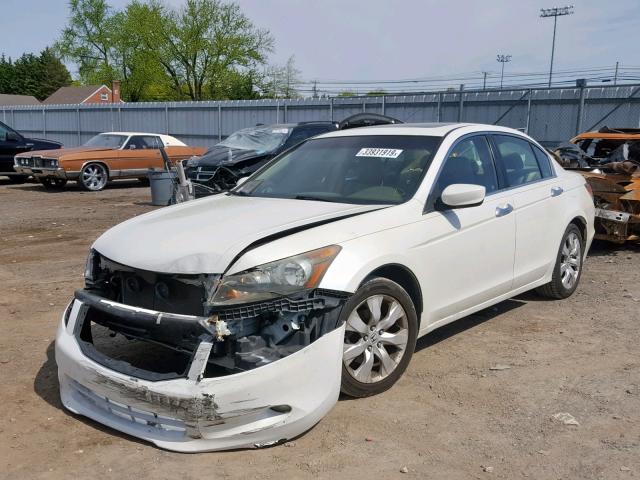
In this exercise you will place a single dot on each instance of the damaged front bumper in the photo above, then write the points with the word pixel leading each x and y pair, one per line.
pixel 274 400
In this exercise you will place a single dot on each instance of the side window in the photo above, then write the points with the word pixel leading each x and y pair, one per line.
pixel 151 142
pixel 139 142
pixel 543 161
pixel 519 162
pixel 3 133
pixel 469 161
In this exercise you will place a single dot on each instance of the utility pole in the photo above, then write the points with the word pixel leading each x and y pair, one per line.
pixel 484 80
pixel 554 12
pixel 503 59
pixel 615 75
pixel 315 89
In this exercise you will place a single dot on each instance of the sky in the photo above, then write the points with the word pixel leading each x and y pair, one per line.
pixel 397 39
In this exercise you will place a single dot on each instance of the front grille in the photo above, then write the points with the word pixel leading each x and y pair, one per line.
pixel 37 162
pixel 131 414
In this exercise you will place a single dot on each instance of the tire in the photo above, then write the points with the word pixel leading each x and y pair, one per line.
pixel 568 268
pixel 144 180
pixel 18 179
pixel 371 343
pixel 53 183
pixel 93 177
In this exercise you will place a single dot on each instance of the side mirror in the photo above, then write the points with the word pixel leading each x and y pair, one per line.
pixel 132 147
pixel 12 137
pixel 462 195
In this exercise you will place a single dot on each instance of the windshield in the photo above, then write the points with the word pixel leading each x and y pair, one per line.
pixel 263 140
pixel 380 169
pixel 106 140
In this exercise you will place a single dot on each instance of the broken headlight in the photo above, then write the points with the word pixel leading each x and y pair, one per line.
pixel 271 280
pixel 91 268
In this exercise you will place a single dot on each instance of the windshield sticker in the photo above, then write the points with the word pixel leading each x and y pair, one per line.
pixel 280 130
pixel 379 152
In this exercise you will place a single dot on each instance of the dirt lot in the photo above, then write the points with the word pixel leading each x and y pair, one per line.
pixel 453 414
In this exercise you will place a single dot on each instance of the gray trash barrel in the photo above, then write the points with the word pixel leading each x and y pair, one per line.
pixel 161 182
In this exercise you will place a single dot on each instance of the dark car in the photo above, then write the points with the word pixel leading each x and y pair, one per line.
pixel 13 143
pixel 246 150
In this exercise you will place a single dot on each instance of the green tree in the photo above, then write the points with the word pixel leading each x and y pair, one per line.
pixel 203 42
pixel 281 81
pixel 88 40
pixel 38 76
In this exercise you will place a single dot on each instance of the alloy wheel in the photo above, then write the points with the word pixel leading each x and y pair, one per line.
pixel 94 177
pixel 375 339
pixel 570 260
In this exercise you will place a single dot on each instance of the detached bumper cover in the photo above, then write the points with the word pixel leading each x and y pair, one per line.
pixel 255 408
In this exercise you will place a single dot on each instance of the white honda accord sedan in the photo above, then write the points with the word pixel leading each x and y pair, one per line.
pixel 236 320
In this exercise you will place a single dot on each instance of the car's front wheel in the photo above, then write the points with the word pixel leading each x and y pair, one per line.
pixel 568 268
pixel 93 177
pixel 381 330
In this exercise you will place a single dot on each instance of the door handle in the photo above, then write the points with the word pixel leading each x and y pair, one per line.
pixel 555 191
pixel 503 210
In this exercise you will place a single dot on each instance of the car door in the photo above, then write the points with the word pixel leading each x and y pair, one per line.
pixel 140 153
pixel 470 260
pixel 11 143
pixel 534 188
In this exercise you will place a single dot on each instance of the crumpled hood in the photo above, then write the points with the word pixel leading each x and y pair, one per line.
pixel 59 152
pixel 220 155
pixel 205 236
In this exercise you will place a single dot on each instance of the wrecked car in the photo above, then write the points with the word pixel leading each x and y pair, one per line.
pixel 609 159
pixel 332 261
pixel 246 150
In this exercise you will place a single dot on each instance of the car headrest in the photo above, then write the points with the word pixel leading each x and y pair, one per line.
pixel 512 161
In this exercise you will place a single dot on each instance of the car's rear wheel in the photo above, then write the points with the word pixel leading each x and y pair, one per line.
pixel 53 183
pixel 93 177
pixel 18 178
pixel 380 337
pixel 568 268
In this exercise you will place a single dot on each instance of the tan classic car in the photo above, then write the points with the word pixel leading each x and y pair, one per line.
pixel 105 157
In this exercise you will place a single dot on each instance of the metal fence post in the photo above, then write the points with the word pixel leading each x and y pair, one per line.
pixel 364 105
pixel 219 122
pixel 79 129
pixel 120 118
pixel 13 118
pixel 44 122
pixel 580 111
pixel 4 115
pixel 526 128
pixel 384 109
pixel 277 111
pixel 461 104
pixel 284 114
pixel 331 108
pixel 166 119
pixel 439 107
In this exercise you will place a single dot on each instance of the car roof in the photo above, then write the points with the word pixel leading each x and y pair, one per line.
pixel 166 139
pixel 608 136
pixel 419 129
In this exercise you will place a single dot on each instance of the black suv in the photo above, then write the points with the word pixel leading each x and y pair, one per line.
pixel 13 143
pixel 246 150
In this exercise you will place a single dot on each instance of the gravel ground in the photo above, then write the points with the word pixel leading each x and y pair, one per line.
pixel 477 400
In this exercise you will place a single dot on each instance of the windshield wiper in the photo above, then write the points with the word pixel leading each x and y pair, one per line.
pixel 311 197
pixel 238 193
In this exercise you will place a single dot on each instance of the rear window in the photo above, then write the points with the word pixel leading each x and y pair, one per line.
pixel 543 161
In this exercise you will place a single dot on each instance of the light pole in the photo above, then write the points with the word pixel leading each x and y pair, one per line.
pixel 503 59
pixel 554 12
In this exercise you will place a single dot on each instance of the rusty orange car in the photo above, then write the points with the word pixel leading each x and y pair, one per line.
pixel 107 156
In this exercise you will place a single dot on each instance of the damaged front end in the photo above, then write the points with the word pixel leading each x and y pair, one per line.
pixel 617 200
pixel 611 167
pixel 160 357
